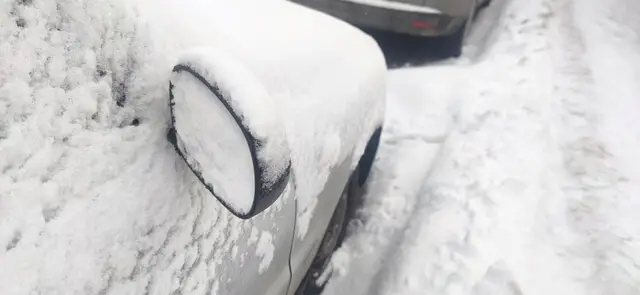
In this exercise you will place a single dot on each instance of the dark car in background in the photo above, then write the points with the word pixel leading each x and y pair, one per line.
pixel 449 19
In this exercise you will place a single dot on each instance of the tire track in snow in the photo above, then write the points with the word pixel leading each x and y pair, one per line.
pixel 414 130
pixel 391 197
pixel 524 195
pixel 473 223
pixel 602 252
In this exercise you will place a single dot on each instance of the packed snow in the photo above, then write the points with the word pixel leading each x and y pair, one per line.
pixel 265 250
pixel 212 142
pixel 512 170
pixel 250 101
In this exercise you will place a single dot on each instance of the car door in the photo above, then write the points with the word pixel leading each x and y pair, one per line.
pixel 306 244
pixel 203 248
pixel 193 245
pixel 246 256
pixel 265 48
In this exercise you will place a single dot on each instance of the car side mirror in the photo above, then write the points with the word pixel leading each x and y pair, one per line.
pixel 226 127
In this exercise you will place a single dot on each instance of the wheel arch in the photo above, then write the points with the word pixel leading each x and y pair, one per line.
pixel 365 164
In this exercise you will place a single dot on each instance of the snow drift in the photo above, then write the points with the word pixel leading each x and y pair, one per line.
pixel 534 189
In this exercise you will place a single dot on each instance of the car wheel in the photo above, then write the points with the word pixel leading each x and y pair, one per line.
pixel 452 44
pixel 484 4
pixel 345 211
pixel 332 239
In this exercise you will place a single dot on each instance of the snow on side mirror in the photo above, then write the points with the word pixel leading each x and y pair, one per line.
pixel 226 127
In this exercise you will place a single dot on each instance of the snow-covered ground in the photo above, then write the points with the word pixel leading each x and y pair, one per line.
pixel 514 169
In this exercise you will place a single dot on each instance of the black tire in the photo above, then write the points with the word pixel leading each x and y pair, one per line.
pixel 484 4
pixel 332 239
pixel 345 211
pixel 451 46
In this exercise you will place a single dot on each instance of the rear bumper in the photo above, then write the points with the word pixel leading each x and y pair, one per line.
pixel 388 19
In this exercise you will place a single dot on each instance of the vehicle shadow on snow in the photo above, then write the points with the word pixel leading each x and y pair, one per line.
pixel 405 50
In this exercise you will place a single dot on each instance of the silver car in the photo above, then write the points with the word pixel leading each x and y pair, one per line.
pixel 272 130
pixel 278 128
pixel 432 18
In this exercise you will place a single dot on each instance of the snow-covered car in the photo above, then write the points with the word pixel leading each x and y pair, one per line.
pixel 273 113
pixel 449 18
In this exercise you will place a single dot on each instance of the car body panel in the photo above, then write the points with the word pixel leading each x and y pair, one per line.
pixel 116 210
pixel 437 17
pixel 398 5
pixel 305 248
pixel 242 256
pixel 332 102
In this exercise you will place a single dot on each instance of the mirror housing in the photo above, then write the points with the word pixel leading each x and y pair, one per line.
pixel 226 127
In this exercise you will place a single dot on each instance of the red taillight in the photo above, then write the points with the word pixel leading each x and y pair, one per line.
pixel 423 25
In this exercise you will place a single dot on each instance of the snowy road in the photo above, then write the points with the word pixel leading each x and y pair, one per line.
pixel 511 170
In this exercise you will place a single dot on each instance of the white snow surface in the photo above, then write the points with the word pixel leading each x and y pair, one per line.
pixel 212 142
pixel 93 199
pixel 264 249
pixel 512 170
pixel 250 101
